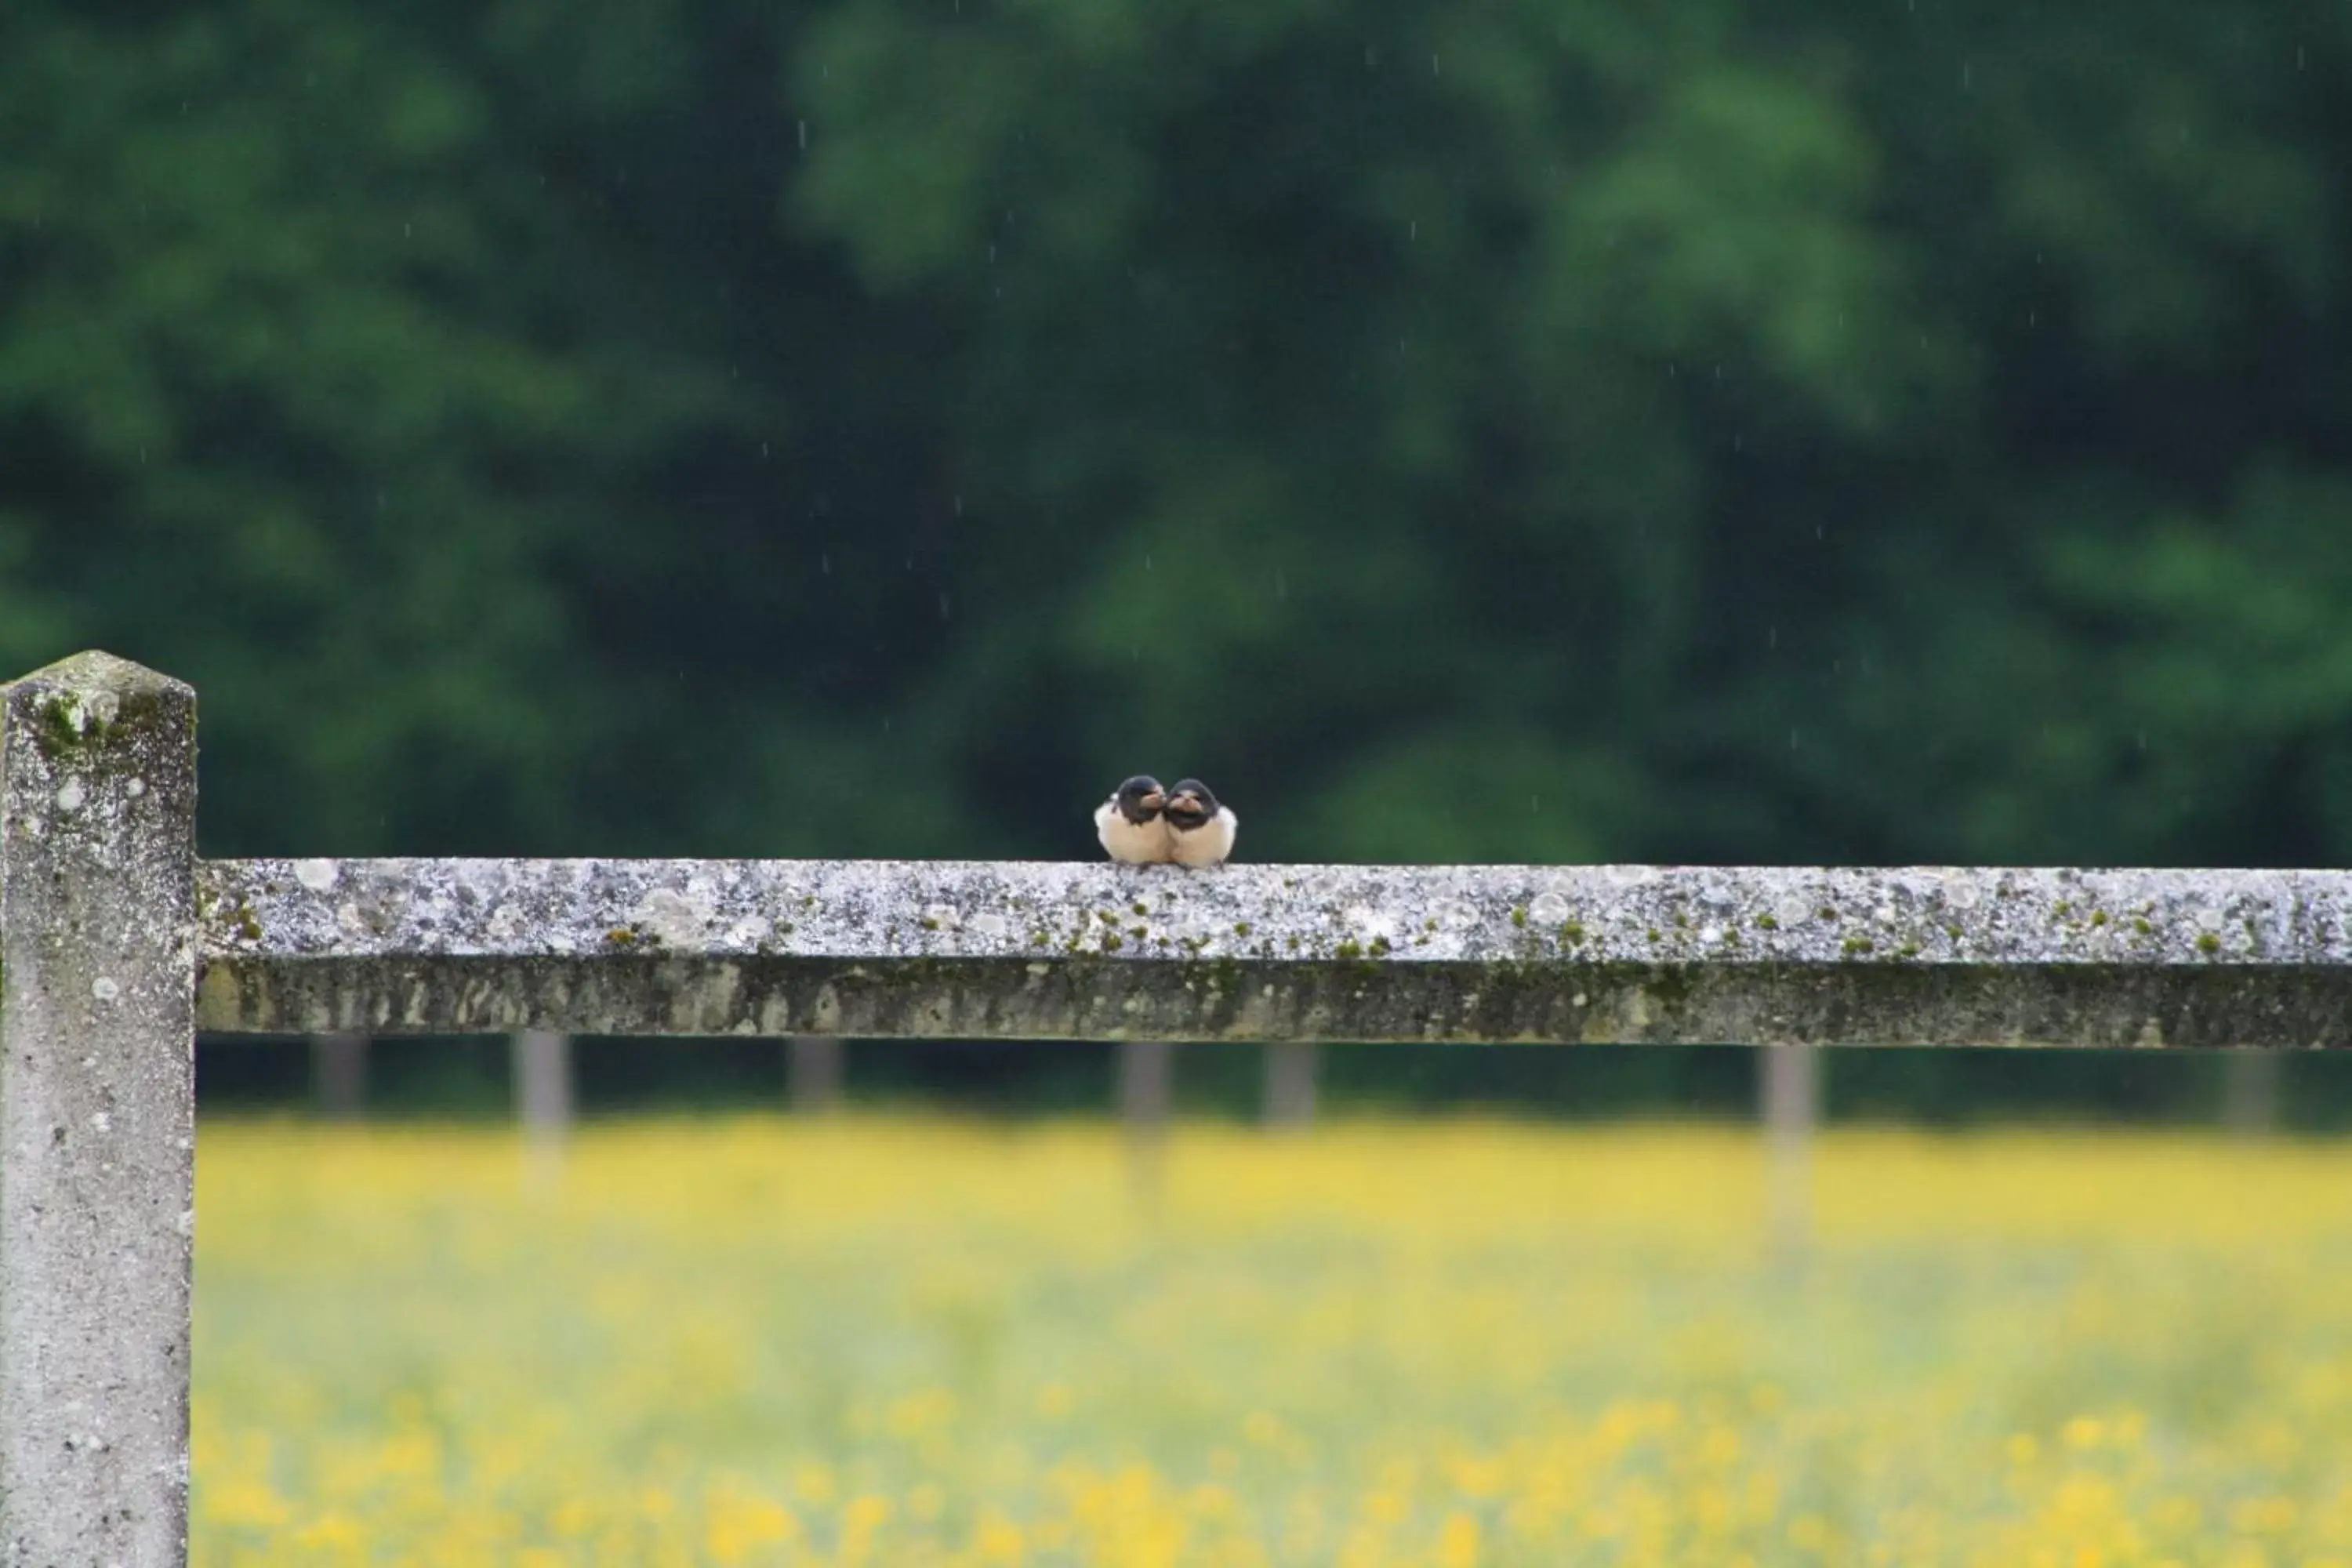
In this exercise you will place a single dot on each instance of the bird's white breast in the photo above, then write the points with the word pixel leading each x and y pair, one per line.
pixel 1137 843
pixel 1208 844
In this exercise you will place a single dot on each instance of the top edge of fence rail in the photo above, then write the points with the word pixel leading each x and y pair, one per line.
pixel 1672 916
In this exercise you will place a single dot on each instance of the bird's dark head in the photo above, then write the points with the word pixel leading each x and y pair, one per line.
pixel 1190 804
pixel 1138 799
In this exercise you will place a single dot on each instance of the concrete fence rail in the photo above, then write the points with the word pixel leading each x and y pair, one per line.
pixel 117 944
pixel 1758 955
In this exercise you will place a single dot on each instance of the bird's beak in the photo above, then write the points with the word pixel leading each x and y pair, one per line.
pixel 1188 800
pixel 1152 801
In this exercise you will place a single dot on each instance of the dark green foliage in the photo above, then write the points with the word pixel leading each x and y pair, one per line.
pixel 1530 431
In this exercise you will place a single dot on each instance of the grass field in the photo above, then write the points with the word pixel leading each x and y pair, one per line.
pixel 896 1341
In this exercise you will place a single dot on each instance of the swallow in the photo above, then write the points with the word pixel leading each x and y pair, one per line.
pixel 1199 831
pixel 1131 826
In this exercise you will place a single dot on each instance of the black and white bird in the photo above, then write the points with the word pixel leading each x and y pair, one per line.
pixel 1131 823
pixel 1199 831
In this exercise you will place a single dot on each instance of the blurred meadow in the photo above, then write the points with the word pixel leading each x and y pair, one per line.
pixel 908 1341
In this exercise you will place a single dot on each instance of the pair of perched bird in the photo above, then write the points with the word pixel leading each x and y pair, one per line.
pixel 1144 824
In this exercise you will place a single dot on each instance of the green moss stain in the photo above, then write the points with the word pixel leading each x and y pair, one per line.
pixel 2208 943
pixel 247 923
pixel 68 724
pixel 1671 989
pixel 65 726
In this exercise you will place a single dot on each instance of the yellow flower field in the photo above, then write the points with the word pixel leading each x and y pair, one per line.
pixel 905 1341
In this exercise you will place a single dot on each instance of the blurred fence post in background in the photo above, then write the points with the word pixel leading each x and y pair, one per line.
pixel 1146 1092
pixel 98 977
pixel 1790 1096
pixel 2250 1093
pixel 813 1073
pixel 1290 1071
pixel 543 1101
pixel 338 1063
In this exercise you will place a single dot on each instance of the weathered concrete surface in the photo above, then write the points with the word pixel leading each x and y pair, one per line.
pixel 97 779
pixel 1032 949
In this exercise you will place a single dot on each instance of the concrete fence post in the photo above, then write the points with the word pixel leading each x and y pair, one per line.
pixel 2250 1093
pixel 813 1070
pixel 1147 1089
pixel 339 1065
pixel 98 918
pixel 1790 1095
pixel 1146 1094
pixel 1290 1072
pixel 543 1097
